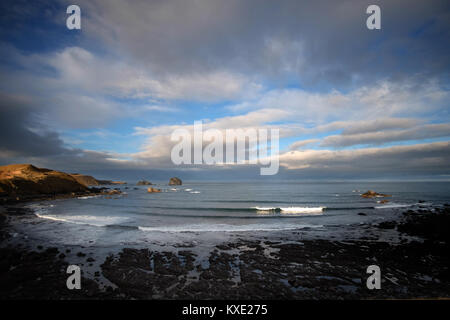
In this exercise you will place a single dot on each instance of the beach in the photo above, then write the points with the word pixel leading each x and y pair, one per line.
pixel 221 240
pixel 293 264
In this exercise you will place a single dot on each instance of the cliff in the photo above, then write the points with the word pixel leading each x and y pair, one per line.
pixel 19 181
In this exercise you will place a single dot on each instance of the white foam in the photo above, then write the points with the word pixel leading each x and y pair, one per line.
pixel 98 221
pixel 39 206
pixel 187 189
pixel 88 197
pixel 194 192
pixel 424 204
pixel 225 228
pixel 393 205
pixel 265 209
pixel 289 210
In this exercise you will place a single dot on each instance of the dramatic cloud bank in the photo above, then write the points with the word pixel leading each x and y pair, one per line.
pixel 349 102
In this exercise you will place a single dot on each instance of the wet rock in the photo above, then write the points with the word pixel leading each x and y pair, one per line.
pixel 373 194
pixel 39 275
pixel 431 225
pixel 387 225
pixel 144 183
pixel 112 192
pixel 223 247
pixel 52 251
pixel 175 181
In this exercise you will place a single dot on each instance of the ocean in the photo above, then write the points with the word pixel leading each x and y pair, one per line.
pixel 228 207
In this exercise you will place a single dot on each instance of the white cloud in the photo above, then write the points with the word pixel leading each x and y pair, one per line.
pixel 380 137
pixel 303 143
pixel 373 125
pixel 424 157
pixel 80 68
pixel 384 99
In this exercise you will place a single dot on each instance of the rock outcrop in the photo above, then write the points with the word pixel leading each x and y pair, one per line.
pixel 86 180
pixel 19 181
pixel 113 192
pixel 91 181
pixel 153 190
pixel 175 181
pixel 144 183
pixel 373 194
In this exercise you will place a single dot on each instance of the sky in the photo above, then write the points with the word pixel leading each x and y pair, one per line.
pixel 350 103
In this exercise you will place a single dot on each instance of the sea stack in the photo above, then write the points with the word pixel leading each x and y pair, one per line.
pixel 373 194
pixel 153 190
pixel 175 181
pixel 144 183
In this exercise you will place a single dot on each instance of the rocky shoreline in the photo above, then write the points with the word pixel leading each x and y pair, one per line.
pixel 24 182
pixel 20 183
pixel 274 267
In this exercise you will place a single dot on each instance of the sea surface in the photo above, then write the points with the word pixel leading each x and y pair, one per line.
pixel 229 207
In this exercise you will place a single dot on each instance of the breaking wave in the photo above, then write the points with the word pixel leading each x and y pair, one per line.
pixel 226 228
pixel 394 205
pixel 97 221
pixel 287 210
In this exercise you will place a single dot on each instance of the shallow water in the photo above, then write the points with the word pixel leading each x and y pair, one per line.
pixel 230 207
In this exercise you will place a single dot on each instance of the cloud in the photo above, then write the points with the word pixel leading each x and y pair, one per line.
pixel 374 125
pixel 383 99
pixel 431 158
pixel 301 144
pixel 18 135
pixel 160 108
pixel 320 42
pixel 75 69
pixel 79 67
pixel 311 69
pixel 157 149
pixel 380 137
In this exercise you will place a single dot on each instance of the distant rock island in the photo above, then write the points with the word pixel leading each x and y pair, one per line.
pixel 373 194
pixel 175 181
pixel 144 183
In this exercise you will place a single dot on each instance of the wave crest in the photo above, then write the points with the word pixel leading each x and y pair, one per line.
pixel 291 210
